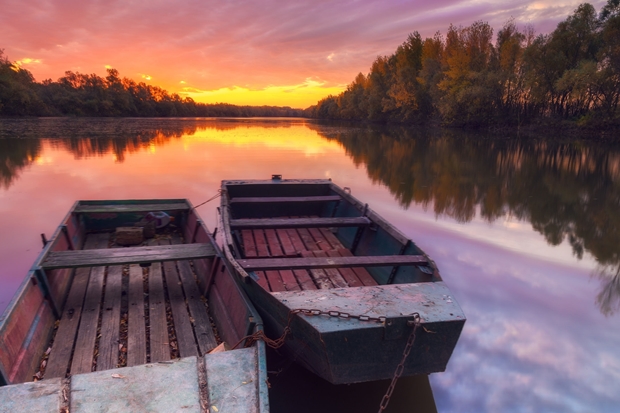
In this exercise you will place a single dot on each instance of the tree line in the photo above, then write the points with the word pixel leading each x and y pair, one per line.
pixel 78 94
pixel 464 79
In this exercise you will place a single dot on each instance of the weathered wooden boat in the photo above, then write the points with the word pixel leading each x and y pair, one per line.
pixel 350 287
pixel 111 328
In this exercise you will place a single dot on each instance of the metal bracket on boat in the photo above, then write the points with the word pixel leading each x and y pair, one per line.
pixel 41 279
pixel 397 327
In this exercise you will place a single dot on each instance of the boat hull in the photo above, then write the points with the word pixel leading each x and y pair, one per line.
pixel 344 351
pixel 339 343
pixel 91 288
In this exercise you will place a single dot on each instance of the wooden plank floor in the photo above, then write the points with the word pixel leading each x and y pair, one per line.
pixel 127 315
pixel 301 242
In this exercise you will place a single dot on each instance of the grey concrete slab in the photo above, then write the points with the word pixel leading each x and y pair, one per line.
pixel 42 396
pixel 232 381
pixel 165 387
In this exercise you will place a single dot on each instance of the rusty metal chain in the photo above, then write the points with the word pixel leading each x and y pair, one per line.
pixel 340 314
pixel 279 342
pixel 399 369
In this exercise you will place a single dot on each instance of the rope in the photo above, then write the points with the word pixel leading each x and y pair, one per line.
pixel 216 196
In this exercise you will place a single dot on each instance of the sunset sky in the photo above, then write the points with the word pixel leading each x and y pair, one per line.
pixel 285 53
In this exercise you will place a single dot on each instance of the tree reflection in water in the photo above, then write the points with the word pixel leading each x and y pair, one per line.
pixel 608 298
pixel 15 155
pixel 567 190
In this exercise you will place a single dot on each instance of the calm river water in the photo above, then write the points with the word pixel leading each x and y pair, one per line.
pixel 526 234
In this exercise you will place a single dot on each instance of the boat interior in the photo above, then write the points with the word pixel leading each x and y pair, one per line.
pixel 127 315
pixel 111 306
pixel 294 235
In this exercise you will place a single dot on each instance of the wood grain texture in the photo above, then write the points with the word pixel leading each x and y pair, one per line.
pixel 177 206
pixel 347 273
pixel 110 320
pixel 363 275
pixel 318 275
pixel 60 355
pixel 198 311
pixel 310 262
pixel 129 255
pixel 332 273
pixel 82 361
pixel 256 223
pixel 182 324
pixel 158 332
pixel 284 199
pixel 136 327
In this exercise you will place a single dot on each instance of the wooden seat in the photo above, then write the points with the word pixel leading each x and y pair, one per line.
pixel 285 199
pixel 263 223
pixel 130 255
pixel 177 206
pixel 264 264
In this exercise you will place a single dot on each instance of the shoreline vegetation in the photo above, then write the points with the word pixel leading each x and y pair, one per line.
pixel 78 94
pixel 568 81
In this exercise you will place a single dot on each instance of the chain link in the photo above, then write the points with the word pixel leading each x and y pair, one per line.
pixel 340 314
pixel 401 367
pixel 279 342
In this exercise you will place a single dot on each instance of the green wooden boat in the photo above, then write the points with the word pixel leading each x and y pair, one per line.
pixel 104 327
pixel 350 286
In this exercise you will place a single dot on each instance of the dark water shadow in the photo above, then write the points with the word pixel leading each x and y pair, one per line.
pixel 294 389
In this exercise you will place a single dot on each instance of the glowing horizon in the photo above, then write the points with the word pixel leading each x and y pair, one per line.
pixel 256 53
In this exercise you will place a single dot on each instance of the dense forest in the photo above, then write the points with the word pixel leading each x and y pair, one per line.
pixel 77 94
pixel 462 79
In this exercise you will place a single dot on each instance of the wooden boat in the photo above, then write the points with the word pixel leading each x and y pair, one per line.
pixel 360 284
pixel 131 312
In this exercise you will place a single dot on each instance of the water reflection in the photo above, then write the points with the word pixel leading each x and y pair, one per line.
pixel 15 155
pixel 535 339
pixel 608 299
pixel 566 190
pixel 88 137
